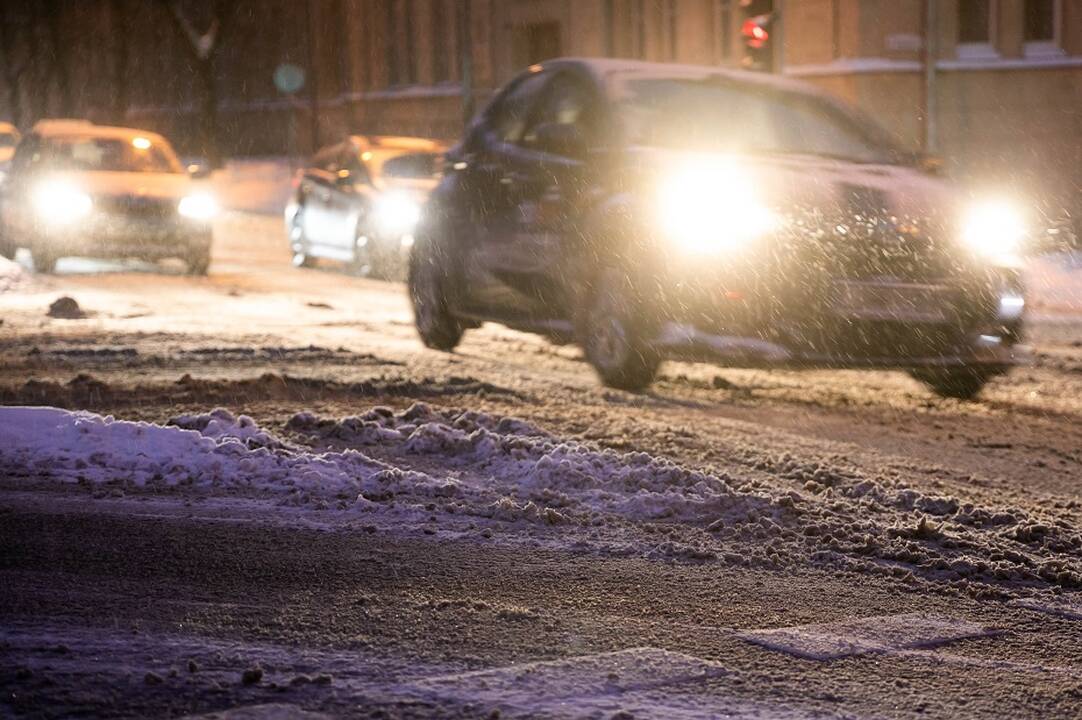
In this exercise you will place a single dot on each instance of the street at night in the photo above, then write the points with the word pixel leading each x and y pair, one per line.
pixel 592 360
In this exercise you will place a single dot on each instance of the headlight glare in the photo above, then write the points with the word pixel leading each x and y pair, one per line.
pixel 60 203
pixel 397 213
pixel 994 229
pixel 709 207
pixel 198 207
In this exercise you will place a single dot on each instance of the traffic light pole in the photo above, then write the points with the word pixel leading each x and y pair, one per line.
pixel 931 54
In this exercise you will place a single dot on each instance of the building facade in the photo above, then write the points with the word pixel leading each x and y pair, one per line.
pixel 994 86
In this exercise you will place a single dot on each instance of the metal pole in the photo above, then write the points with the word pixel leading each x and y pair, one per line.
pixel 466 55
pixel 931 54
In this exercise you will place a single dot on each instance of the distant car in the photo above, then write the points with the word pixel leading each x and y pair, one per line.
pixel 75 188
pixel 9 138
pixel 358 202
pixel 654 211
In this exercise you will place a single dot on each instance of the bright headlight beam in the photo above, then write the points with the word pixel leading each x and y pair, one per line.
pixel 994 228
pixel 397 213
pixel 140 143
pixel 198 207
pixel 709 206
pixel 60 203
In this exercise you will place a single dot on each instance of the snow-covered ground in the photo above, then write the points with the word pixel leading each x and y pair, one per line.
pixel 452 472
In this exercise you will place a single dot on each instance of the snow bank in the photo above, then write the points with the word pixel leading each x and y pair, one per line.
pixel 216 450
pixel 12 276
pixel 431 469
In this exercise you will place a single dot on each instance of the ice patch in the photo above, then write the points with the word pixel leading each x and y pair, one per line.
pixel 270 711
pixel 1070 608
pixel 879 634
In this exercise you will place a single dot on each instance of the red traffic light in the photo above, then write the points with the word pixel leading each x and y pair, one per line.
pixel 754 32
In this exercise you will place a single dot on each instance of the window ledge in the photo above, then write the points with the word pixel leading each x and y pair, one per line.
pixel 1042 50
pixel 1022 63
pixel 977 51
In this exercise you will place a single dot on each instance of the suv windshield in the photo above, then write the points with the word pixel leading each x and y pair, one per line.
pixel 718 115
pixel 137 154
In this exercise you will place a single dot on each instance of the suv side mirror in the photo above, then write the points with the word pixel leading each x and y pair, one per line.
pixel 560 139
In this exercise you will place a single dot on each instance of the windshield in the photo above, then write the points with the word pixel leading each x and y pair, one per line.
pixel 413 166
pixel 721 116
pixel 137 154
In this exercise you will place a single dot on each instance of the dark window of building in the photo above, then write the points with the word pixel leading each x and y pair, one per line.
pixel 394 77
pixel 542 42
pixel 1040 20
pixel 974 21
pixel 443 23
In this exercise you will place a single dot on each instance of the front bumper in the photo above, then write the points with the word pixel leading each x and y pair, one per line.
pixel 118 236
pixel 839 323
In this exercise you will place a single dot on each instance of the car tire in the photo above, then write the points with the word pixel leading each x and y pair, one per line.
pixel 363 263
pixel 7 247
pixel 428 282
pixel 963 383
pixel 298 243
pixel 614 333
pixel 44 262
pixel 199 262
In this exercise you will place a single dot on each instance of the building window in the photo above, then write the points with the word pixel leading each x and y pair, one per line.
pixel 443 23
pixel 975 22
pixel 977 29
pixel 1040 20
pixel 1042 28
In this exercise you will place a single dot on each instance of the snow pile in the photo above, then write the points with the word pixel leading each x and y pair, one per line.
pixel 218 451
pixel 12 275
pixel 454 469
pixel 785 511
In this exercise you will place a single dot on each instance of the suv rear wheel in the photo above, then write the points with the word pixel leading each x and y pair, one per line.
pixel 963 383
pixel 428 284
pixel 615 333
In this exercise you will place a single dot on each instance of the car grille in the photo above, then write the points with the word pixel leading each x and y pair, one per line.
pixel 138 208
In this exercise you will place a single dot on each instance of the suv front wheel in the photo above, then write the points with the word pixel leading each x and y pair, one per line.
pixel 427 280
pixel 615 333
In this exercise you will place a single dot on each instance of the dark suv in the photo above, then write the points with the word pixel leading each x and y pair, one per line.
pixel 648 211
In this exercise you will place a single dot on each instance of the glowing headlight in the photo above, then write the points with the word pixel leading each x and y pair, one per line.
pixel 994 229
pixel 60 203
pixel 397 214
pixel 710 207
pixel 198 207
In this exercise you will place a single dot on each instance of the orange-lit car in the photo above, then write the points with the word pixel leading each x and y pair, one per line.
pixel 358 202
pixel 651 211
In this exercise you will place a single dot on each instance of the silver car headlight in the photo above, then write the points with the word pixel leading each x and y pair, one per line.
pixel 710 207
pixel 59 203
pixel 200 206
pixel 994 229
pixel 396 213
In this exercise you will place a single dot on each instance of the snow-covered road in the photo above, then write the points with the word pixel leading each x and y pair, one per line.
pixel 261 474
